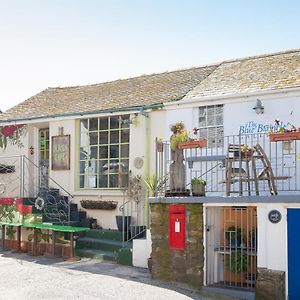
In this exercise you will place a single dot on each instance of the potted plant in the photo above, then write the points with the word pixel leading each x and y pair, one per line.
pixel 235 236
pixel 179 135
pixel 193 142
pixel 237 262
pixel 154 184
pixel 282 133
pixel 198 187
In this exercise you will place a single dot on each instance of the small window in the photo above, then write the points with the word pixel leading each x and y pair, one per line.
pixel 211 125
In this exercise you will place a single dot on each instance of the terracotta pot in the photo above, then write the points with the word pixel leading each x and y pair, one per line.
pixel 284 136
pixel 198 190
pixel 193 144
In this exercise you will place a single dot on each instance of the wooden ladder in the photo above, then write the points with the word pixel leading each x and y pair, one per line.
pixel 237 169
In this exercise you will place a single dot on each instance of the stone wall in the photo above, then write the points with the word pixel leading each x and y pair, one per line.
pixel 270 284
pixel 184 266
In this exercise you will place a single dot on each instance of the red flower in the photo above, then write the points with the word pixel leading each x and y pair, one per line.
pixel 8 130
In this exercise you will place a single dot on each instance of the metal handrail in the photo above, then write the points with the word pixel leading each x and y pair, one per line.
pixel 38 167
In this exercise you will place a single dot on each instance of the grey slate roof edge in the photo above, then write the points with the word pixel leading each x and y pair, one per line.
pixel 73 114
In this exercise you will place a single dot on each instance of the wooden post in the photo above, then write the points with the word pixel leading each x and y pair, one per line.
pixel 3 237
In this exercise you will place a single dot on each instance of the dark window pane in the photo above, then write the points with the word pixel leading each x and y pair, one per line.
pixel 93 166
pixel 114 122
pixel 93 124
pixel 114 166
pixel 103 181
pixel 94 152
pixel 81 181
pixel 114 151
pixel 124 150
pixel 94 138
pixel 123 180
pixel 103 166
pixel 84 152
pixel 103 124
pixel 103 152
pixel 114 137
pixel 125 121
pixel 82 167
pixel 113 181
pixel 103 137
pixel 125 136
pixel 124 165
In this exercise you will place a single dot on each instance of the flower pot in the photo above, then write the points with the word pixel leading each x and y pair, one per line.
pixel 198 190
pixel 284 136
pixel 193 144
pixel 119 220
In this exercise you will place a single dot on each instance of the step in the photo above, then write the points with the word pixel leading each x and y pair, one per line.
pixel 97 254
pixel 108 234
pixel 125 256
pixel 100 244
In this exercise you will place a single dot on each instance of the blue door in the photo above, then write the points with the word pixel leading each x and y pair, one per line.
pixel 293 219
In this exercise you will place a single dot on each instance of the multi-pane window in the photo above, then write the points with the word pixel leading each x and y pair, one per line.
pixel 104 152
pixel 211 125
pixel 44 144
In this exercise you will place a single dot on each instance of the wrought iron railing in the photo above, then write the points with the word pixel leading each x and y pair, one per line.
pixel 22 178
pixel 133 222
pixel 245 165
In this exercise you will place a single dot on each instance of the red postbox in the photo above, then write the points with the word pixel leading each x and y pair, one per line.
pixel 177 227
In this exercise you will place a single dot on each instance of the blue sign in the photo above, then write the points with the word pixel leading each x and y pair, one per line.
pixel 252 127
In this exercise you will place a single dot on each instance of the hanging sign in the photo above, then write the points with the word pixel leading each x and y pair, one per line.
pixel 61 152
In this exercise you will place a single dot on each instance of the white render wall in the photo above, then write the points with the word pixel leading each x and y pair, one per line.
pixel 239 111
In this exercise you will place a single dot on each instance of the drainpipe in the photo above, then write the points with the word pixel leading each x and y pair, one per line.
pixel 147 158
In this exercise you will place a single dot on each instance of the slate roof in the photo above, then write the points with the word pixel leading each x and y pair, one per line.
pixel 119 94
pixel 241 76
pixel 259 73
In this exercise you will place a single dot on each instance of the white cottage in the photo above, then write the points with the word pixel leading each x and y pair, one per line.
pixel 251 211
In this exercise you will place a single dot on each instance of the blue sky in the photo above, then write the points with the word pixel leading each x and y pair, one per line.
pixel 75 42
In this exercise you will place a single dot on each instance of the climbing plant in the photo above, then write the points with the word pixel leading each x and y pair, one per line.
pixel 12 134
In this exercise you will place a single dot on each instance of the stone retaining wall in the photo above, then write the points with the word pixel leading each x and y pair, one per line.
pixel 270 284
pixel 184 266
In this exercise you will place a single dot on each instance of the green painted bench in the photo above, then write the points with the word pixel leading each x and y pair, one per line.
pixel 44 226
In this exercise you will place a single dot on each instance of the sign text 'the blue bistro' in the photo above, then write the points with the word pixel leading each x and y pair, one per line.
pixel 252 127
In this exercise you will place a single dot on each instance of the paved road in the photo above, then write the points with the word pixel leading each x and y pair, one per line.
pixel 24 277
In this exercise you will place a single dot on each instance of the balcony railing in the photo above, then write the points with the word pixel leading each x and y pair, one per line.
pixel 244 165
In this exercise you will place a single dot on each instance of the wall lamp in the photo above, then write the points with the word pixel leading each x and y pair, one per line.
pixel 259 108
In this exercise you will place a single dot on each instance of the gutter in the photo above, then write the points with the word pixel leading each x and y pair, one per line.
pixel 73 114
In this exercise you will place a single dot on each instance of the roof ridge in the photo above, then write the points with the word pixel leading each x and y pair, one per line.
pixel 261 55
pixel 135 77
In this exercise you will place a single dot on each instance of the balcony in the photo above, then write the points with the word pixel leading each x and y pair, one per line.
pixel 245 165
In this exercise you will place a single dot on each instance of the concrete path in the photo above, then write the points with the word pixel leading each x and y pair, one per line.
pixel 24 277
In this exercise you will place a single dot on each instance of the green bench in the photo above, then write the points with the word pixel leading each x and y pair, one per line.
pixel 35 226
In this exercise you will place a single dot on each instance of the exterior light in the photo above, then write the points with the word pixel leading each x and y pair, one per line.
pixel 259 108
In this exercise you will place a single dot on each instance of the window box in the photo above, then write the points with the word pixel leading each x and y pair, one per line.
pixel 193 144
pixel 284 136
